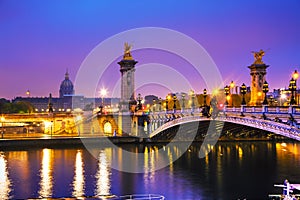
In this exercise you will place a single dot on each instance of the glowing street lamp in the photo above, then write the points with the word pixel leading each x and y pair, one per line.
pixel 282 96
pixel 226 91
pixel 292 88
pixel 139 100
pixel 243 92
pixel 154 105
pixel 174 103
pixel 2 122
pixel 168 98
pixel 28 93
pixel 232 86
pixel 78 119
pixel 295 77
pixel 192 94
pixel 159 102
pixel 103 93
pixel 204 96
pixel 183 101
pixel 265 90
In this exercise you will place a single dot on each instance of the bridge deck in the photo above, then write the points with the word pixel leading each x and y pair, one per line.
pixel 282 123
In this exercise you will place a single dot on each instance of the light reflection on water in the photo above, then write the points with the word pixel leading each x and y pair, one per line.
pixel 46 183
pixel 103 174
pixel 230 171
pixel 5 183
pixel 78 183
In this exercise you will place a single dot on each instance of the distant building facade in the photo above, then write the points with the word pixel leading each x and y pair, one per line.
pixel 68 100
pixel 66 87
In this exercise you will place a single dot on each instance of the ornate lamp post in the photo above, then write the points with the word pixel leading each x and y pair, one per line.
pixel 231 90
pixel 103 93
pixel 292 88
pixel 243 92
pixel 226 91
pixel 174 103
pixel 159 102
pixel 265 89
pixel 192 94
pixel 295 77
pixel 154 105
pixel 139 100
pixel 231 86
pixel 167 102
pixel 183 101
pixel 28 93
pixel 2 123
pixel 204 96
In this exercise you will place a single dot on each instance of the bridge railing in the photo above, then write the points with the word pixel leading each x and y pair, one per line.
pixel 268 125
pixel 280 128
pixel 265 109
pixel 238 109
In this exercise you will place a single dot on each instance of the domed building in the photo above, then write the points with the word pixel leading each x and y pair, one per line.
pixel 67 100
pixel 66 87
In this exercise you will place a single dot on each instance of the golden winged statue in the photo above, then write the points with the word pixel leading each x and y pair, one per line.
pixel 127 53
pixel 258 56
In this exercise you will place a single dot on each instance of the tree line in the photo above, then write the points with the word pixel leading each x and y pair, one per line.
pixel 7 107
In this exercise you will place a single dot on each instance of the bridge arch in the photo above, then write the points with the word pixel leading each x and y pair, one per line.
pixel 107 127
pixel 265 125
pixel 108 124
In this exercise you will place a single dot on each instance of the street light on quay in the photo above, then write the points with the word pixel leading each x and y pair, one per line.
pixel 292 88
pixel 192 94
pixel 295 77
pixel 159 102
pixel 282 97
pixel 28 93
pixel 103 93
pixel 2 123
pixel 154 105
pixel 168 98
pixel 139 100
pixel 243 92
pixel 232 86
pixel 204 96
pixel 174 103
pixel 226 91
pixel 183 101
pixel 265 90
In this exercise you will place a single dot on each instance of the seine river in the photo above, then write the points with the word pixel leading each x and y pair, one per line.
pixel 232 170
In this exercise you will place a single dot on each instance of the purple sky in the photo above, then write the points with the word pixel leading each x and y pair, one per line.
pixel 39 40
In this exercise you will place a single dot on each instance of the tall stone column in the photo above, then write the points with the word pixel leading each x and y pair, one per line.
pixel 258 77
pixel 127 69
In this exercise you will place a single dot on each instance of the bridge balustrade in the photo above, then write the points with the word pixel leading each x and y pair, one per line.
pixel 268 125
pixel 282 129
pixel 264 109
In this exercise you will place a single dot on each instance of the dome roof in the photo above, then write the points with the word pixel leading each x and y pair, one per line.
pixel 66 83
pixel 66 86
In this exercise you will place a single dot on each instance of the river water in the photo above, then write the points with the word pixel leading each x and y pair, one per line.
pixel 232 170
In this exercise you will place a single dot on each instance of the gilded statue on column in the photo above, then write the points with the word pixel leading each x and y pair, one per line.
pixel 127 53
pixel 258 56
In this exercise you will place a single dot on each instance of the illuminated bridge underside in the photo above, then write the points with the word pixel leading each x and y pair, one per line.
pixel 265 125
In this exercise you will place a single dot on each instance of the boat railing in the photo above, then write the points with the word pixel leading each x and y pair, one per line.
pixel 142 197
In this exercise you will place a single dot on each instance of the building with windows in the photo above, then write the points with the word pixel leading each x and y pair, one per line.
pixel 67 100
pixel 66 87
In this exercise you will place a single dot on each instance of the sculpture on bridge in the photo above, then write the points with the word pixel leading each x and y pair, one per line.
pixel 258 56
pixel 214 110
pixel 127 53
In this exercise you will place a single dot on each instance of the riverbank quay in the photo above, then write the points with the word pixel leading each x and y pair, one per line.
pixel 57 142
pixel 61 142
